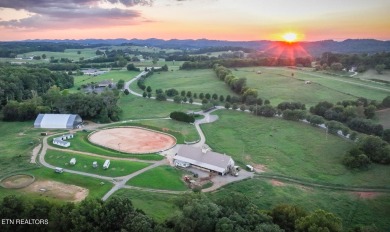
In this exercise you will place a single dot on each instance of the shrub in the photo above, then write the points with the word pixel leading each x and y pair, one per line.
pixel 182 117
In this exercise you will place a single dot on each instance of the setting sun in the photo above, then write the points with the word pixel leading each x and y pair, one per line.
pixel 290 37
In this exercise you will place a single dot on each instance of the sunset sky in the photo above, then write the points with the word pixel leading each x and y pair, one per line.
pixel 194 19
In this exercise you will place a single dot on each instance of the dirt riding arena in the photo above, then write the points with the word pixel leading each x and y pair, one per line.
pixel 17 181
pixel 57 190
pixel 133 140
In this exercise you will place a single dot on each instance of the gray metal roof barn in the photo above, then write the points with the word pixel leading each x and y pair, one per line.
pixel 58 121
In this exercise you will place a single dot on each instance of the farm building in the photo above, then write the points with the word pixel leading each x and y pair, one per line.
pixel 204 159
pixel 58 121
pixel 61 143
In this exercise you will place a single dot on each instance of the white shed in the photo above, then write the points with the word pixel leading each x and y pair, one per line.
pixel 106 164
pixel 94 164
pixel 73 161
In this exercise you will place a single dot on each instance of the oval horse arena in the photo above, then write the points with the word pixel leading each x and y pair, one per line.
pixel 135 140
pixel 17 181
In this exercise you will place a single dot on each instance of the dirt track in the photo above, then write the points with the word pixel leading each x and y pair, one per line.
pixel 133 140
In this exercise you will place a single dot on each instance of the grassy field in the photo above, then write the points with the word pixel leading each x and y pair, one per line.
pixel 114 75
pixel 17 141
pixel 84 164
pixel 159 206
pixel 95 186
pixel 68 53
pixel 188 131
pixel 384 118
pixel 80 143
pixel 373 74
pixel 139 108
pixel 196 81
pixel 288 148
pixel 277 84
pixel 163 177
pixel 354 210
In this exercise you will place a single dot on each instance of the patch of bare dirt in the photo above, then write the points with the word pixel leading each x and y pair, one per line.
pixel 58 190
pixel 367 195
pixel 259 167
pixel 277 183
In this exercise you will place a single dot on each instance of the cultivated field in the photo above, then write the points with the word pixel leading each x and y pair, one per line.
pixel 71 54
pixel 372 74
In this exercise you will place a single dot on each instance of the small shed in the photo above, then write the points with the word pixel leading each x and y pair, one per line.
pixel 106 164
pixel 250 168
pixel 94 164
pixel 73 161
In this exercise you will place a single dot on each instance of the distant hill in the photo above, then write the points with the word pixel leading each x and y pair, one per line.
pixel 314 48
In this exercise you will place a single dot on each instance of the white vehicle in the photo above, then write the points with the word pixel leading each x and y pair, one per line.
pixel 106 164
pixel 73 161
pixel 59 170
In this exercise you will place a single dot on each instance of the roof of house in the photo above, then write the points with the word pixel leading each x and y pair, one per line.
pixel 210 160
pixel 61 121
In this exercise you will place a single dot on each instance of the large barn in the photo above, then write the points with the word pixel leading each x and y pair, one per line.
pixel 58 121
pixel 204 159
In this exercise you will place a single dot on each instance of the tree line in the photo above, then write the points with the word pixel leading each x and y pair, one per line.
pixel 197 212
pixel 22 83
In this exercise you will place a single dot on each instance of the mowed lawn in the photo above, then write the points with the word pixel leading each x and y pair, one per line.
pixel 288 148
pixel 163 177
pixel 352 208
pixel 197 81
pixel 134 107
pixel 80 143
pixel 277 84
pixel 159 206
pixel 84 164
pixel 384 118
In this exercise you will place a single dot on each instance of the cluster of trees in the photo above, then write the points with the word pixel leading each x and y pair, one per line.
pixel 356 114
pixel 141 80
pixel 21 83
pixel 182 117
pixel 362 62
pixel 246 62
pixel 131 67
pixel 102 107
pixel 369 149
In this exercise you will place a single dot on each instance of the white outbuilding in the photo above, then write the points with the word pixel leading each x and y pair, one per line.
pixel 72 161
pixel 58 121
pixel 106 164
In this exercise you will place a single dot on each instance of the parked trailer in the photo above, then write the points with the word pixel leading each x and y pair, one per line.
pixel 106 164
pixel 250 168
pixel 59 170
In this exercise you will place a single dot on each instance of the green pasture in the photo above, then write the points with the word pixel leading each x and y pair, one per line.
pixel 97 188
pixel 288 148
pixel 17 141
pixel 353 210
pixel 80 143
pixel 68 53
pixel 163 177
pixel 159 206
pixel 186 130
pixel 383 117
pixel 84 164
pixel 114 75
pixel 197 81
pixel 277 84
pixel 134 107
pixel 372 74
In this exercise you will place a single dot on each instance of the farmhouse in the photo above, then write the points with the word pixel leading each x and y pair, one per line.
pixel 105 83
pixel 58 121
pixel 204 159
